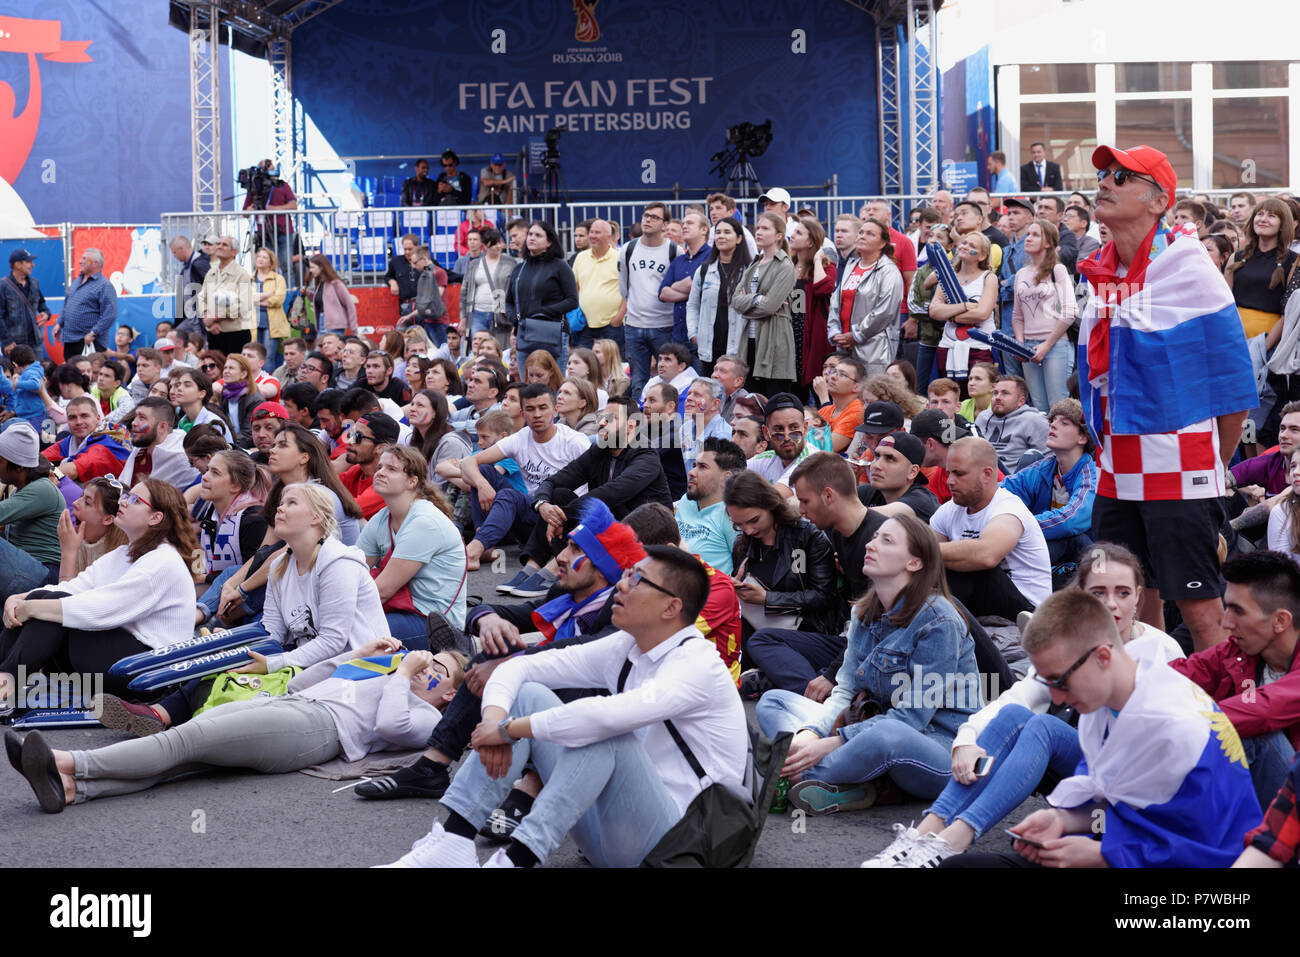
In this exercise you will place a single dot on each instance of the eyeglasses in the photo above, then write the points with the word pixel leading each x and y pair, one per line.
pixel 208 365
pixel 1122 176
pixel 130 498
pixel 1062 683
pixel 634 576
pixel 361 437
pixel 838 373
pixel 652 217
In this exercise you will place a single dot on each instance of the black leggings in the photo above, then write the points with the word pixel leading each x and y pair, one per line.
pixel 47 644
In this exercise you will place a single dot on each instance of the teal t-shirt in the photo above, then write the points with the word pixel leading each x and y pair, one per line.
pixel 429 537
pixel 31 516
pixel 707 533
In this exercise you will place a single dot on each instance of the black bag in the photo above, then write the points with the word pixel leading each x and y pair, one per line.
pixel 719 829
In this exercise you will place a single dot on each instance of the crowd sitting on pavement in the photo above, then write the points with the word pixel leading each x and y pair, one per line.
pixel 940 572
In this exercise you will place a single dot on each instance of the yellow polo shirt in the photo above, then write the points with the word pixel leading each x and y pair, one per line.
pixel 597 279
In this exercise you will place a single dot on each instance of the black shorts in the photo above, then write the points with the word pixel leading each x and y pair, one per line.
pixel 1177 541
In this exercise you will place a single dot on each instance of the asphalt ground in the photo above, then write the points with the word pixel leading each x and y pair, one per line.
pixel 243 819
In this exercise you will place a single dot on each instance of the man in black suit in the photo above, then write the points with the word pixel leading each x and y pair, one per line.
pixel 194 267
pixel 1038 174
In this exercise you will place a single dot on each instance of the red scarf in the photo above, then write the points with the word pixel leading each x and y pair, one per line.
pixel 1111 290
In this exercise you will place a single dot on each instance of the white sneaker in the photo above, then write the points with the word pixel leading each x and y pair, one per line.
pixel 895 855
pixel 438 849
pixel 499 859
pixel 928 850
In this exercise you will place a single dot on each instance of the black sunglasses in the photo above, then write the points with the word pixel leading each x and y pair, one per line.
pixel 1062 683
pixel 1122 176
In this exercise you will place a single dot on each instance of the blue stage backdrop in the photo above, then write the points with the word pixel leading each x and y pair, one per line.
pixel 94 109
pixel 647 89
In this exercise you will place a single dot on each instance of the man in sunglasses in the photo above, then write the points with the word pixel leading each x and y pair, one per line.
pixel 1160 308
pixel 453 186
pixel 1163 782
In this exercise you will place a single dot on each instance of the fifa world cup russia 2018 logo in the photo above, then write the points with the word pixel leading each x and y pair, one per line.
pixel 587 30
pixel 18 130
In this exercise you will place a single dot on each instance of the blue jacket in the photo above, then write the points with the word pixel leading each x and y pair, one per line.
pixel 924 673
pixel 28 403
pixel 1033 486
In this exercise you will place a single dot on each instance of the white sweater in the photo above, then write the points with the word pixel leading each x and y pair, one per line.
pixel 1149 642
pixel 152 598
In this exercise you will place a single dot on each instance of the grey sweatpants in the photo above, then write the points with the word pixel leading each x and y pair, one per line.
pixel 282 734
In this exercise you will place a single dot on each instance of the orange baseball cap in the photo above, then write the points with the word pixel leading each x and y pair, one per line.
pixel 1141 159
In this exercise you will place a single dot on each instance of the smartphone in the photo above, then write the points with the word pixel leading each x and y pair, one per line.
pixel 1022 839
pixel 983 765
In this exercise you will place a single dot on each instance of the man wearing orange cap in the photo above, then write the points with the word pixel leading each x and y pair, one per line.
pixel 1165 379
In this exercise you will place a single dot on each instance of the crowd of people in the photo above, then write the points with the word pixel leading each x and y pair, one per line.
pixel 951 575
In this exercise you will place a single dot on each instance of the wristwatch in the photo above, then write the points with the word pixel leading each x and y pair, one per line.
pixel 503 728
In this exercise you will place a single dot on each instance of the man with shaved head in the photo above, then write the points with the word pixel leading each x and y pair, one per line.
pixel 993 548
pixel 596 272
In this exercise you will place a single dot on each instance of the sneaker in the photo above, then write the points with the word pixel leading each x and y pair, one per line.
pixel 1022 620
pixel 438 849
pixel 818 797
pixel 137 720
pixel 535 587
pixel 929 850
pixel 423 779
pixel 501 823
pixel 499 859
pixel 508 588
pixel 753 683
pixel 444 636
pixel 895 855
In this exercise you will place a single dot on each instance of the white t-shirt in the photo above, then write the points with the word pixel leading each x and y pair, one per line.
pixel 540 460
pixel 639 277
pixel 1028 563
pixel 1279 530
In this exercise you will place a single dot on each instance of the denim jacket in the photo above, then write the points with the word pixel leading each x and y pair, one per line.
pixel 925 669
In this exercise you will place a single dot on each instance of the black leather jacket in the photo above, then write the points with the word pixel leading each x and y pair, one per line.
pixel 810 592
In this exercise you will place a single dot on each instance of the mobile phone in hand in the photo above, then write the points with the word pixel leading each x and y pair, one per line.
pixel 1024 840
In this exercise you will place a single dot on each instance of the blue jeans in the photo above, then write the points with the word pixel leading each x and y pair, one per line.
pixel 212 597
pixel 272 347
pixel 20 573
pixel 1047 381
pixel 1269 756
pixel 584 338
pixel 1010 364
pixel 918 763
pixel 479 322
pixel 437 333
pixel 925 356
pixel 608 793
pixel 643 347
pixel 613 333
pixel 409 628
pixel 511 511
pixel 1023 746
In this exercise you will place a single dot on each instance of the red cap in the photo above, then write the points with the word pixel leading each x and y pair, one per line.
pixel 1140 159
pixel 270 410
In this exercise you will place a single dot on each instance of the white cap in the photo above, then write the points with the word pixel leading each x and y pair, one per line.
pixel 19 445
pixel 777 195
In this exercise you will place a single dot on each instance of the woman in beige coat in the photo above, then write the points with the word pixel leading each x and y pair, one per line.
pixel 761 300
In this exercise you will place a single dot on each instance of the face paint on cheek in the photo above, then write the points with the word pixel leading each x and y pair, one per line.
pixel 577 563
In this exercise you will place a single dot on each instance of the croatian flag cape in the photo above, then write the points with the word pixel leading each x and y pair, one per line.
pixel 1164 341
pixel 1171 772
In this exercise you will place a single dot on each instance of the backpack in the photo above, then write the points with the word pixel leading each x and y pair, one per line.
pixel 718 829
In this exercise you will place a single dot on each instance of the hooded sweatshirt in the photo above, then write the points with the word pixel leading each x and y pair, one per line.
pixel 170 463
pixel 1013 434
pixel 333 608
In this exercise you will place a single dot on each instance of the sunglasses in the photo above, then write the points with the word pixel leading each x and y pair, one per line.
pixel 1122 176
pixel 1062 683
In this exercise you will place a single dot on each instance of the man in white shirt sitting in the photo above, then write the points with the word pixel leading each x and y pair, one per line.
pixel 993 548
pixel 614 775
